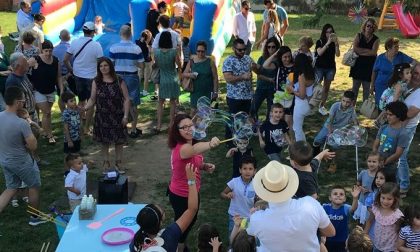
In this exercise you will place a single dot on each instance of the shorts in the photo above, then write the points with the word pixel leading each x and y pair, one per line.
pixel 133 85
pixel 326 74
pixel 83 88
pixel 40 98
pixel 74 149
pixel 26 172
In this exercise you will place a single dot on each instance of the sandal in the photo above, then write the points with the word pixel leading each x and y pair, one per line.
pixel 135 134
pixel 51 140
pixel 118 167
pixel 105 167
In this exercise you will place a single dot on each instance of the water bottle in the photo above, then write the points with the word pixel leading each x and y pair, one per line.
pixel 83 204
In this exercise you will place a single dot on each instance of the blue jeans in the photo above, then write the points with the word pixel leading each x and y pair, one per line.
pixel 324 74
pixel 321 137
pixel 259 96
pixel 2 104
pixel 132 82
pixel 403 173
pixel 274 156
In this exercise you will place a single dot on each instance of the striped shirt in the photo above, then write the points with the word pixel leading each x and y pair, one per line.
pixel 125 56
pixel 411 238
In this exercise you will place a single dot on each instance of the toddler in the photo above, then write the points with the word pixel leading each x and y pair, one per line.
pixel 365 180
pixel 237 153
pixel 208 239
pixel 339 212
pixel 273 133
pixel 240 191
pixel 75 182
pixel 100 26
pixel 307 167
pixel 305 44
pixel 409 237
pixel 396 91
pixel 387 218
pixel 179 10
pixel 72 125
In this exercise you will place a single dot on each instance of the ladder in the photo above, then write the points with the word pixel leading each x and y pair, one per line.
pixel 387 19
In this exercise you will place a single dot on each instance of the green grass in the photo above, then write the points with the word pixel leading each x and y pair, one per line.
pixel 17 235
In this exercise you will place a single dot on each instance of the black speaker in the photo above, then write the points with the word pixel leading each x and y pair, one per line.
pixel 113 190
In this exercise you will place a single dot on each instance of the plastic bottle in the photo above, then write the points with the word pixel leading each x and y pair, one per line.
pixel 90 202
pixel 83 204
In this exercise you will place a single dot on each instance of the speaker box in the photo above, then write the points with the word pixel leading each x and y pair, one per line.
pixel 113 190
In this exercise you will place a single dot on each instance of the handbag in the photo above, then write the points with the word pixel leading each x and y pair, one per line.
pixel 316 97
pixel 155 74
pixel 350 57
pixel 369 109
pixel 187 83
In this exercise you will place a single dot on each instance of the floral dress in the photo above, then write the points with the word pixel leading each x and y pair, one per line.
pixel 386 232
pixel 388 95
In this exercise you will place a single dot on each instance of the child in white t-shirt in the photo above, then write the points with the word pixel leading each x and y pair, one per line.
pixel 75 181
pixel 240 191
pixel 179 10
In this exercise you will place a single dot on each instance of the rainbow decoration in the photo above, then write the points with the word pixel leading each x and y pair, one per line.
pixel 357 14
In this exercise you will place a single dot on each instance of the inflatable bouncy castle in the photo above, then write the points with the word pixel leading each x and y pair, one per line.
pixel 211 20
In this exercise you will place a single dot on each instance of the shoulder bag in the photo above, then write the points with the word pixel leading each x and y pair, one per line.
pixel 369 109
pixel 187 83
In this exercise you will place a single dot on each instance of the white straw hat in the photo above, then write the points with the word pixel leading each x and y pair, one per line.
pixel 275 182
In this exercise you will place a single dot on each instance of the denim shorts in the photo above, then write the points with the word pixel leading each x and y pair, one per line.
pixel 26 171
pixel 326 74
pixel 40 98
pixel 83 87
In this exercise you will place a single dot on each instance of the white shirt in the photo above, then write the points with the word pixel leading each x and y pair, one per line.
pixel 39 35
pixel 243 197
pixel 244 27
pixel 176 39
pixel 78 181
pixel 179 9
pixel 290 226
pixel 413 100
pixel 23 20
pixel 84 66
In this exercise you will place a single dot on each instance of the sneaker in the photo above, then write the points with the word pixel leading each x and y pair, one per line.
pixel 25 199
pixel 145 93
pixel 35 221
pixel 15 203
pixel 323 111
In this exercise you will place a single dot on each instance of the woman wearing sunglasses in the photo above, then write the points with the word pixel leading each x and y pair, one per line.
pixel 366 45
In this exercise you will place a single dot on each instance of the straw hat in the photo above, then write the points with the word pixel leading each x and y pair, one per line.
pixel 275 182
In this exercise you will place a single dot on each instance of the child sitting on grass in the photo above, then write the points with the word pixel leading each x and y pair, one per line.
pixel 75 182
pixel 273 133
pixel 341 114
pixel 240 191
pixel 237 153
pixel 307 167
pixel 339 213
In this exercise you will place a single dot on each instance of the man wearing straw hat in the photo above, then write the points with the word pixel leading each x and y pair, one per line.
pixel 16 142
pixel 288 224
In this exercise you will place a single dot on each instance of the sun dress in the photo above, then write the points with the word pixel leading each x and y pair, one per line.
pixel 168 82
pixel 107 127
pixel 386 232
pixel 388 95
pixel 203 84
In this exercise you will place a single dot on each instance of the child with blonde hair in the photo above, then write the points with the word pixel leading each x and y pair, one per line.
pixel 305 44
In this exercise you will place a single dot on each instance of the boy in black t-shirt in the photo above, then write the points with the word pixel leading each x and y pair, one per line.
pixel 273 133
pixel 306 167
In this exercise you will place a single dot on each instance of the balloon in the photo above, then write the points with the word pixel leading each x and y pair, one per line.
pixel 349 135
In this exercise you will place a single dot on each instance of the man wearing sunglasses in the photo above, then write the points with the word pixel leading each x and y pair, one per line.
pixel 237 73
pixel 244 26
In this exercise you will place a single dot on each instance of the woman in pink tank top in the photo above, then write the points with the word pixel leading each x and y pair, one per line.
pixel 184 149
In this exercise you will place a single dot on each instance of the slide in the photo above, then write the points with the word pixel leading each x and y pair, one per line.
pixel 211 20
pixel 405 22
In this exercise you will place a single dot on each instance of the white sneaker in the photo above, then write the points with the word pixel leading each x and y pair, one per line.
pixel 323 111
pixel 15 203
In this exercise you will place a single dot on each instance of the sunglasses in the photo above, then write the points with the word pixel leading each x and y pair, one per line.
pixel 271 47
pixel 240 49
pixel 200 51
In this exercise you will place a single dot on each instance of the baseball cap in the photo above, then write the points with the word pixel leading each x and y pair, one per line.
pixel 89 26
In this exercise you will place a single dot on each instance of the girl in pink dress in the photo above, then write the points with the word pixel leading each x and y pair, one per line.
pixel 387 218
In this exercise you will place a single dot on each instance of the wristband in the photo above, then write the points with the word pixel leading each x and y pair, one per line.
pixel 191 182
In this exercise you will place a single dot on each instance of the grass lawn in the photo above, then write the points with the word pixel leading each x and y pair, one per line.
pixel 17 235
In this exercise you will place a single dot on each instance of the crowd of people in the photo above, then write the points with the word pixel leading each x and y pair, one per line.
pixel 276 199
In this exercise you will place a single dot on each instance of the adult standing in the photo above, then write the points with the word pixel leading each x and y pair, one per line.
pixel 384 66
pixel 237 73
pixel 366 45
pixel 127 56
pixel 84 52
pixel 24 19
pixel 167 58
pixel 16 144
pixel 110 95
pixel 244 26
pixel 46 75
pixel 164 22
pixel 326 49
pixel 290 224
pixel 39 20
pixel 26 45
pixel 18 78
pixel 266 79
pixel 152 21
pixel 185 150
pixel 206 83
pixel 413 117
pixel 281 14
pixel 271 28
